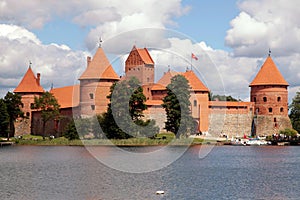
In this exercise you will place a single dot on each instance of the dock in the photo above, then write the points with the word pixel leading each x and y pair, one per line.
pixel 6 144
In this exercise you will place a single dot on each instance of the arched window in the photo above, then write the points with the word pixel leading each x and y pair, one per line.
pixel 278 99
pixel 27 114
pixel 270 110
pixel 265 99
pixel 281 109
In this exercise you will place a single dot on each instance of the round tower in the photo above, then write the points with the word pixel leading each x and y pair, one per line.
pixel 95 83
pixel 270 96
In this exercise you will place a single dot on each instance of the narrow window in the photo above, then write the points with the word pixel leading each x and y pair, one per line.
pixel 27 114
pixel 148 79
pixel 91 96
pixel 254 99
pixel 278 99
pixel 195 103
pixel 93 107
pixel 270 110
pixel 32 105
pixel 265 99
pixel 275 120
pixel 281 109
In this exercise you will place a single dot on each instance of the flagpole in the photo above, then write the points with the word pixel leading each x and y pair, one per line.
pixel 191 62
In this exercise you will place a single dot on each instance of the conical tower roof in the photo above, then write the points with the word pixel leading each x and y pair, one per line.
pixel 269 75
pixel 29 84
pixel 99 68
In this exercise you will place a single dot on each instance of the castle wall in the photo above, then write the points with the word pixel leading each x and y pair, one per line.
pixel 157 113
pixel 230 118
pixel 53 127
pixel 93 96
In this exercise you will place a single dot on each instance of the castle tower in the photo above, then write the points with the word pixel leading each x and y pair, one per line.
pixel 28 88
pixel 270 96
pixel 140 64
pixel 95 83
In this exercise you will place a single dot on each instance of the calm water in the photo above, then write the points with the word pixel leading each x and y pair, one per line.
pixel 227 172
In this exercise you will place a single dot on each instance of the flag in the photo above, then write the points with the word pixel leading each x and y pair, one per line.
pixel 194 57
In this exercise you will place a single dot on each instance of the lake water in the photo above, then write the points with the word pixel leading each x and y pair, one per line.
pixel 227 172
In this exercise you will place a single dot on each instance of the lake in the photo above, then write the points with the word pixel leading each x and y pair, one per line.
pixel 227 172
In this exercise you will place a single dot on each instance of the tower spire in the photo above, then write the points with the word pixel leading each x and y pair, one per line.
pixel 100 42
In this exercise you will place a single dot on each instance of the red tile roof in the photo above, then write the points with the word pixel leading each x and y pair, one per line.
pixel 194 82
pixel 99 68
pixel 67 97
pixel 144 53
pixel 29 84
pixel 269 75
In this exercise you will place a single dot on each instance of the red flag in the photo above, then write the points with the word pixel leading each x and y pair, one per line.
pixel 194 57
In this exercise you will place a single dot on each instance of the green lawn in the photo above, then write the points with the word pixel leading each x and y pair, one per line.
pixel 160 139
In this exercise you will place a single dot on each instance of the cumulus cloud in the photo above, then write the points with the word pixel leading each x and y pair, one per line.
pixel 58 64
pixel 262 25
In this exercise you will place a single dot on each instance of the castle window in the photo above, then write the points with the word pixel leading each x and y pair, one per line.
pixel 195 103
pixel 270 110
pixel 91 96
pixel 254 99
pixel 27 114
pixel 265 99
pixel 281 109
pixel 93 107
pixel 148 79
pixel 32 105
pixel 22 105
pixel 278 99
pixel 275 120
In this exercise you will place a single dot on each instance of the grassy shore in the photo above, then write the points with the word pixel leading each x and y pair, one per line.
pixel 161 139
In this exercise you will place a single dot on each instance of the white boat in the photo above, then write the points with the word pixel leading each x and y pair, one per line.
pixel 256 142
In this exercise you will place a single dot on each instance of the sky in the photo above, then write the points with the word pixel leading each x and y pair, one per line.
pixel 231 39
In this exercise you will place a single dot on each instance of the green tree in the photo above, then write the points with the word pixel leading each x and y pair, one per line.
pixel 48 106
pixel 13 103
pixel 177 107
pixel 4 119
pixel 123 118
pixel 70 132
pixel 295 112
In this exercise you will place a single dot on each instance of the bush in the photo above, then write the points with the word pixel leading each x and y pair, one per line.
pixel 289 132
pixel 71 133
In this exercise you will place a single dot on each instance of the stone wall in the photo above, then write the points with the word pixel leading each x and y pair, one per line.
pixel 230 124
pixel 269 125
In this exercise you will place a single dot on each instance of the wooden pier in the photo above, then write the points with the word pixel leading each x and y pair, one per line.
pixel 6 144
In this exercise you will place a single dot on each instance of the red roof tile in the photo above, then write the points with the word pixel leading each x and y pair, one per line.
pixel 269 75
pixel 194 82
pixel 29 84
pixel 99 68
pixel 67 97
pixel 145 56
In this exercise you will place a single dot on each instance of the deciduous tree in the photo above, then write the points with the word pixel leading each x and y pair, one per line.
pixel 4 119
pixel 295 112
pixel 13 103
pixel 48 106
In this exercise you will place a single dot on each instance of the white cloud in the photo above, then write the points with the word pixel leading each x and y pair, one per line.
pixel 56 63
pixel 262 25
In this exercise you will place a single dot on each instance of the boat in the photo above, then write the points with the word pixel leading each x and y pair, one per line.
pixel 256 142
pixel 238 142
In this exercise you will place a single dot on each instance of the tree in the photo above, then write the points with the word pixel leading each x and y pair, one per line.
pixel 13 103
pixel 4 119
pixel 295 112
pixel 71 133
pixel 123 118
pixel 48 106
pixel 177 107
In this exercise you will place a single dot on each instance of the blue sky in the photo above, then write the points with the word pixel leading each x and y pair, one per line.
pixel 231 38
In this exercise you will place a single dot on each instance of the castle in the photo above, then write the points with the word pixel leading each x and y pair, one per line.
pixel 265 114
